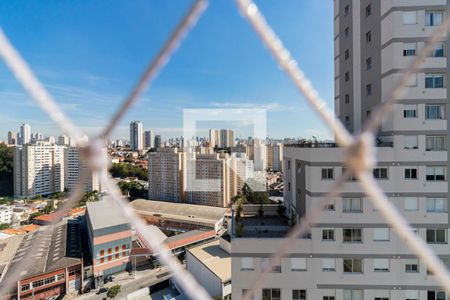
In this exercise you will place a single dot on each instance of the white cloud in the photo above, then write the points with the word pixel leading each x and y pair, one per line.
pixel 273 106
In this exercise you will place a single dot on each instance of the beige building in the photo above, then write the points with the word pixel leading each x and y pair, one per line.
pixel 222 138
pixel 208 179
pixel 351 253
pixel 38 169
pixel 166 179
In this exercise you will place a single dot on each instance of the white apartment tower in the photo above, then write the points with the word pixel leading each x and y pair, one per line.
pixel 25 134
pixel 259 155
pixel 222 138
pixel 12 138
pixel 165 175
pixel 74 167
pixel 38 169
pixel 149 139
pixel 351 252
pixel 136 136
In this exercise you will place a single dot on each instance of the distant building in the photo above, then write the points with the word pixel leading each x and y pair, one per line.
pixel 149 139
pixel 25 134
pixel 165 174
pixel 109 235
pixel 6 213
pixel 38 169
pixel 208 179
pixel 222 138
pixel 210 264
pixel 157 141
pixel 63 140
pixel 12 138
pixel 74 167
pixel 260 156
pixel 277 157
pixel 136 136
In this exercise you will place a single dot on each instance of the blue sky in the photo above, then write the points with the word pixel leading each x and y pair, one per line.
pixel 90 53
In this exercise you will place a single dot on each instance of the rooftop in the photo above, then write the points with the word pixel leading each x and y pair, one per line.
pixel 214 258
pixel 57 249
pixel 104 214
pixel 179 211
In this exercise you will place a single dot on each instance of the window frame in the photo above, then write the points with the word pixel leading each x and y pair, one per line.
pixel 328 171
pixel 411 173
pixel 378 173
pixel 351 238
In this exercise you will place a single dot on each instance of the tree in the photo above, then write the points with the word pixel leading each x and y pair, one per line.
pixel 4 226
pixel 132 189
pixel 113 291
pixel 88 197
pixel 6 170
pixel 124 170
pixel 48 209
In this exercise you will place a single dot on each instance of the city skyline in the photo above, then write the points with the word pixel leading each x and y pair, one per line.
pixel 198 76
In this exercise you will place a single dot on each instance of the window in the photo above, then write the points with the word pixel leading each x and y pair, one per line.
pixel 327 173
pixel 409 111
pixel 438 50
pixel 247 264
pixel 328 264
pixel 380 173
pixel 289 164
pixel 434 112
pixel 436 143
pixel 347 32
pixel 245 291
pixel 436 295
pixel 409 18
pixel 298 264
pixel 347 120
pixel 25 287
pixel 411 295
pixel 368 90
pixel 437 205
pixel 109 250
pixel 327 234
pixel 271 294
pixel 369 63
pixel 346 10
pixel 352 205
pixel 411 203
pixel 368 37
pixel 60 276
pixel 412 267
pixel 381 298
pixel 102 252
pixel 266 262
pixel 368 113
pixel 289 186
pixel 352 265
pixel 352 235
pixel 381 264
pixel 435 173
pixel 117 255
pixel 347 76
pixel 330 206
pixel 102 260
pixel 409 49
pixel 109 257
pixel 381 234
pixel 116 249
pixel 434 18
pixel 437 236
pixel 410 142
pixel 328 298
pixel 347 98
pixel 298 294
pixel 411 173
pixel 353 295
pixel 434 81
pixel 347 54
pixel 368 10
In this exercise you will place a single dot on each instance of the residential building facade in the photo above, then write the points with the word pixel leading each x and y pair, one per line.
pixel 351 252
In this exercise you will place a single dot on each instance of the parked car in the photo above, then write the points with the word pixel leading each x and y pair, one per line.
pixel 102 290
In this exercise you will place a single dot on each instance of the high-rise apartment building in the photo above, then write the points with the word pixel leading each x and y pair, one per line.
pixel 157 141
pixel 351 252
pixel 12 138
pixel 166 180
pixel 63 140
pixel 149 139
pixel 223 138
pixel 25 134
pixel 277 157
pixel 208 179
pixel 74 167
pixel 259 155
pixel 136 136
pixel 38 169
